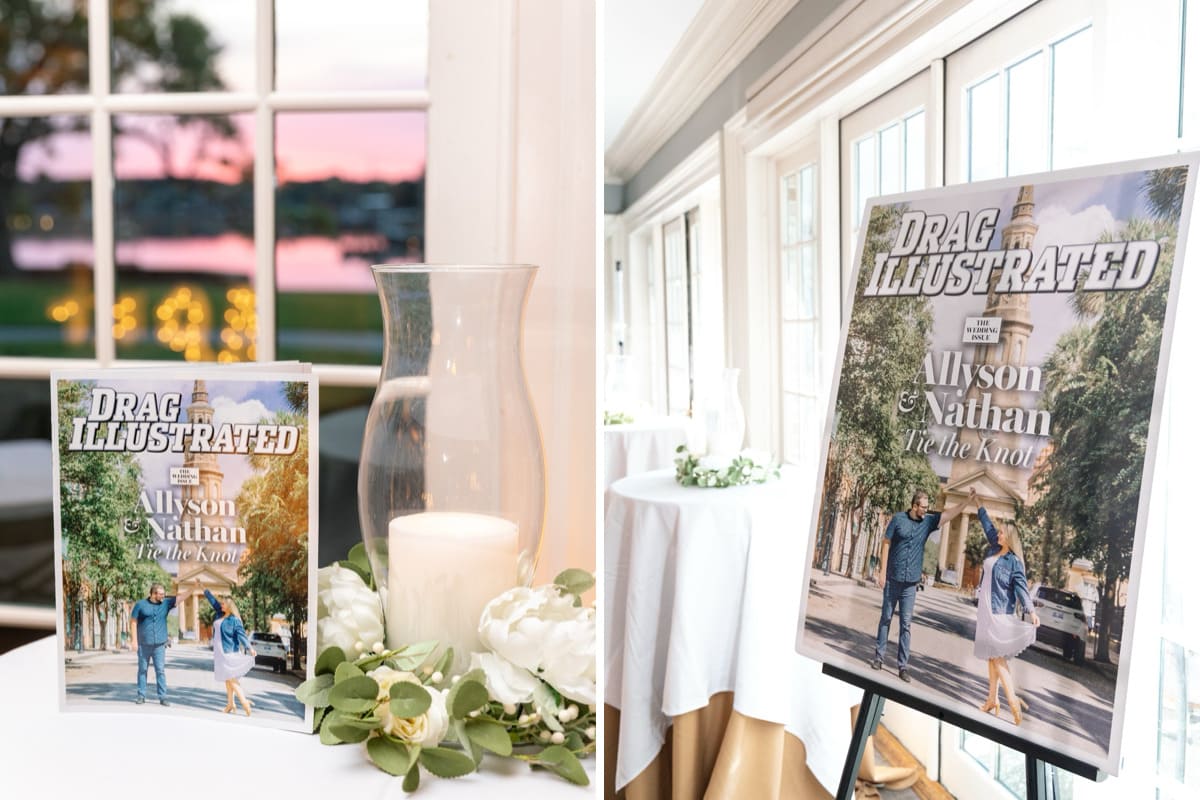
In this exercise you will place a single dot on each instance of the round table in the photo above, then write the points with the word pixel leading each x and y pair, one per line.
pixel 702 596
pixel 641 446
pixel 151 752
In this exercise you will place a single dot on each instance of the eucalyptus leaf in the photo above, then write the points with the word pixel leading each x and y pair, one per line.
pixel 547 704
pixel 574 741
pixel 392 758
pixel 346 732
pixel 414 655
pixel 443 663
pixel 562 762
pixel 408 700
pixel 355 721
pixel 460 734
pixel 446 763
pixel 354 695
pixel 328 660
pixel 327 736
pixel 315 691
pixel 318 718
pixel 490 735
pixel 345 670
pixel 465 697
pixel 412 780
pixel 575 581
pixel 358 557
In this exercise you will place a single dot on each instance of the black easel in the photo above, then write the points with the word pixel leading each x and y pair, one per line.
pixel 1037 758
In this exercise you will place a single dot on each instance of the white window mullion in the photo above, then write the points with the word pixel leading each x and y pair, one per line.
pixel 264 184
pixel 103 268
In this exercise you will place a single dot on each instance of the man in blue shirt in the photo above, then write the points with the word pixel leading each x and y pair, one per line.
pixel 902 556
pixel 150 614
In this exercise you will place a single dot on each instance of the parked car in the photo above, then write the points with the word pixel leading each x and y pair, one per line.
pixel 270 650
pixel 1064 625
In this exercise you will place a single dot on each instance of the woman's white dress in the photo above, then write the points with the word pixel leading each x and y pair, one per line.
pixel 998 635
pixel 228 665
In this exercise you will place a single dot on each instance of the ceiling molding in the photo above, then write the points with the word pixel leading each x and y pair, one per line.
pixel 723 33
pixel 861 39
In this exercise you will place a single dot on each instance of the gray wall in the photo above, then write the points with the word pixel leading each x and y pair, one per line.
pixel 725 101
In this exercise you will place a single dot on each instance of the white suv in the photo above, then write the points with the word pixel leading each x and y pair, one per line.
pixel 1064 625
pixel 270 650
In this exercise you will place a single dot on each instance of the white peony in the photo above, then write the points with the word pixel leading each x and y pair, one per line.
pixel 506 682
pixel 542 631
pixel 426 730
pixel 349 615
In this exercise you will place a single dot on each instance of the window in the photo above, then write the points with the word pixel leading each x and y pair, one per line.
pixel 252 187
pixel 1018 108
pixel 682 285
pixel 800 298
pixel 883 152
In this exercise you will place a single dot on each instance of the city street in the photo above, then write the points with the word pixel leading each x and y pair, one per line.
pixel 1067 702
pixel 108 680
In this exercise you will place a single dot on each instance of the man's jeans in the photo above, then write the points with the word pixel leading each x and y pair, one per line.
pixel 906 595
pixel 157 652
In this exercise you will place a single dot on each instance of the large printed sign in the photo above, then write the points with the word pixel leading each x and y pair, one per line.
pixel 984 487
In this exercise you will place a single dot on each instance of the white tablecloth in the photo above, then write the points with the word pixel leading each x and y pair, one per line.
pixel 642 446
pixel 150 753
pixel 702 595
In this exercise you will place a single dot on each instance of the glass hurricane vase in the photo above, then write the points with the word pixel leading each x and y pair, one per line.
pixel 451 483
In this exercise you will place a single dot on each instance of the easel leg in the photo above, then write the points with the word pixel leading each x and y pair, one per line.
pixel 1036 778
pixel 868 720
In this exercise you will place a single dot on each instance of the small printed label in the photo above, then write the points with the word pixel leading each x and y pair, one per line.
pixel 185 476
pixel 981 330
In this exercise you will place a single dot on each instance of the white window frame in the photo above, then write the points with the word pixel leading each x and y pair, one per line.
pixel 895 106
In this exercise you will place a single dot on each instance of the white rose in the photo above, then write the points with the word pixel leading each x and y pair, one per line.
pixel 349 614
pixel 505 681
pixel 426 730
pixel 541 630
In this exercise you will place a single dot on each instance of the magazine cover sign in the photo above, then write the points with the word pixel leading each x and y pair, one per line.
pixel 184 560
pixel 983 491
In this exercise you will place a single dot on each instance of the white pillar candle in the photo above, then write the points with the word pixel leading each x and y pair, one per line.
pixel 443 568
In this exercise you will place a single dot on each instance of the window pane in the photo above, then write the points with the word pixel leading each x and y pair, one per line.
pixel 981 749
pixel 864 176
pixel 183 206
pixel 26 502
pixel 891 160
pixel 351 193
pixel 1072 93
pixel 1027 128
pixel 808 205
pixel 1190 73
pixel 984 133
pixel 789 204
pixel 807 290
pixel 387 50
pixel 799 357
pixel 914 152
pixel 791 282
pixel 1012 771
pixel 1179 717
pixel 343 417
pixel 182 45
pixel 46 44
pixel 46 238
pixel 800 423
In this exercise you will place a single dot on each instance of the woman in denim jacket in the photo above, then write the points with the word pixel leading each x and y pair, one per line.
pixel 230 663
pixel 999 633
